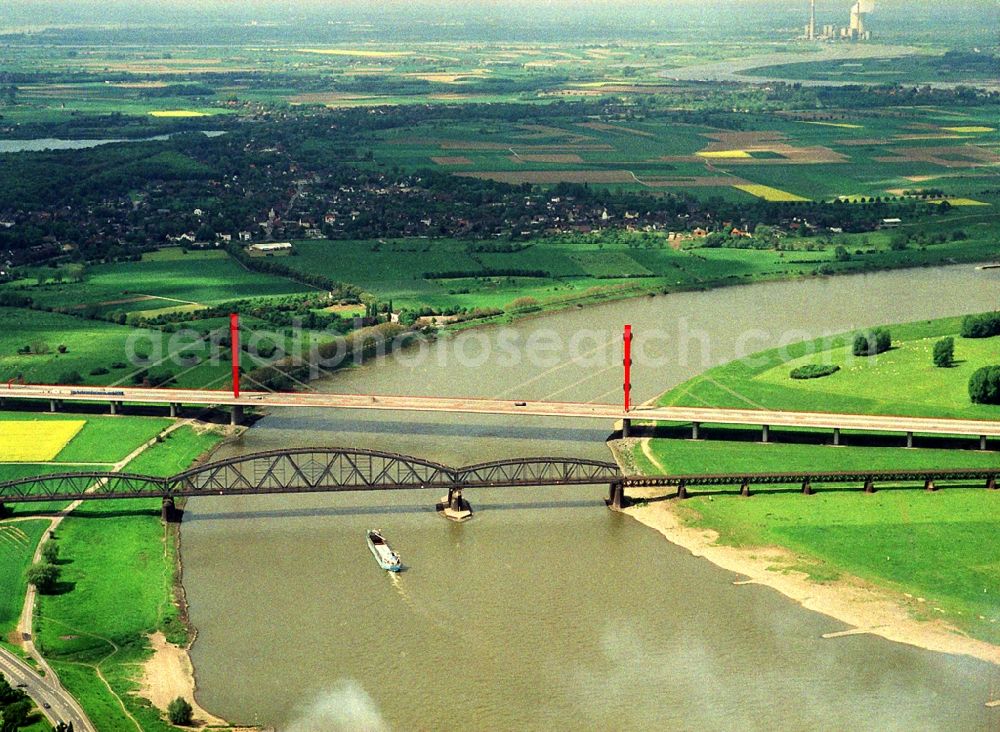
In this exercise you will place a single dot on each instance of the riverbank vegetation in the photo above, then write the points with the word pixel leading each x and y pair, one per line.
pixel 118 564
pixel 902 380
pixel 924 545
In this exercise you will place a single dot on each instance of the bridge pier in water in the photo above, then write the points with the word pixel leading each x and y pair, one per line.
pixel 616 496
pixel 454 507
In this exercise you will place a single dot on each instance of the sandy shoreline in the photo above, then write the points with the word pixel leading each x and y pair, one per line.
pixel 168 674
pixel 869 609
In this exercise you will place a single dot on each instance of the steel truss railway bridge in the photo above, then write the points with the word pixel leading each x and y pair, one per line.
pixel 322 470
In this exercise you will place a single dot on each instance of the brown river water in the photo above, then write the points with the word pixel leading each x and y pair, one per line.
pixel 547 611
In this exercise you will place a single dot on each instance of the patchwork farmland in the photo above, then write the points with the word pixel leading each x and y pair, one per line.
pixel 784 157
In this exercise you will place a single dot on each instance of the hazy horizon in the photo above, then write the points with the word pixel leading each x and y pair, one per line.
pixel 396 20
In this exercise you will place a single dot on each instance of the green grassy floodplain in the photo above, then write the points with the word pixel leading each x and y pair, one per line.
pixel 589 268
pixel 17 544
pixel 901 381
pixel 926 545
pixel 118 577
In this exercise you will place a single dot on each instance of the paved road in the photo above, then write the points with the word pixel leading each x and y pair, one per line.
pixel 62 706
pixel 458 405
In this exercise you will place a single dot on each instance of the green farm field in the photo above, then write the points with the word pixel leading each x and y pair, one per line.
pixel 851 153
pixel 163 280
pixel 90 345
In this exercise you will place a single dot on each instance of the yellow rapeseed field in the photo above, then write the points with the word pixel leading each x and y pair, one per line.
pixel 724 154
pixel 178 113
pixel 768 193
pixel 24 441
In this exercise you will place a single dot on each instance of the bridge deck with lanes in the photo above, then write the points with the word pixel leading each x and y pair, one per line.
pixel 55 395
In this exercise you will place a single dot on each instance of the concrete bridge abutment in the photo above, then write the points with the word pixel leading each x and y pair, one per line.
pixel 169 513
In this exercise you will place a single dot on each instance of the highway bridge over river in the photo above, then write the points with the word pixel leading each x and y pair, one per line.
pixel 319 470
pixel 58 396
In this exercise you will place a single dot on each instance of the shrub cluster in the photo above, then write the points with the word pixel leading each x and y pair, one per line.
pixel 814 371
pixel 984 385
pixel 944 352
pixel 873 342
pixel 981 326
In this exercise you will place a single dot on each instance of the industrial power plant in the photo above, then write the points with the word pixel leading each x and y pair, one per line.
pixel 855 30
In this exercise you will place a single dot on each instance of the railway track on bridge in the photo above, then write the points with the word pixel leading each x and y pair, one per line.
pixel 328 470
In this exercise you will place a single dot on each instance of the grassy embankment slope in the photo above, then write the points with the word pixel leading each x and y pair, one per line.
pixel 926 544
pixel 118 565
